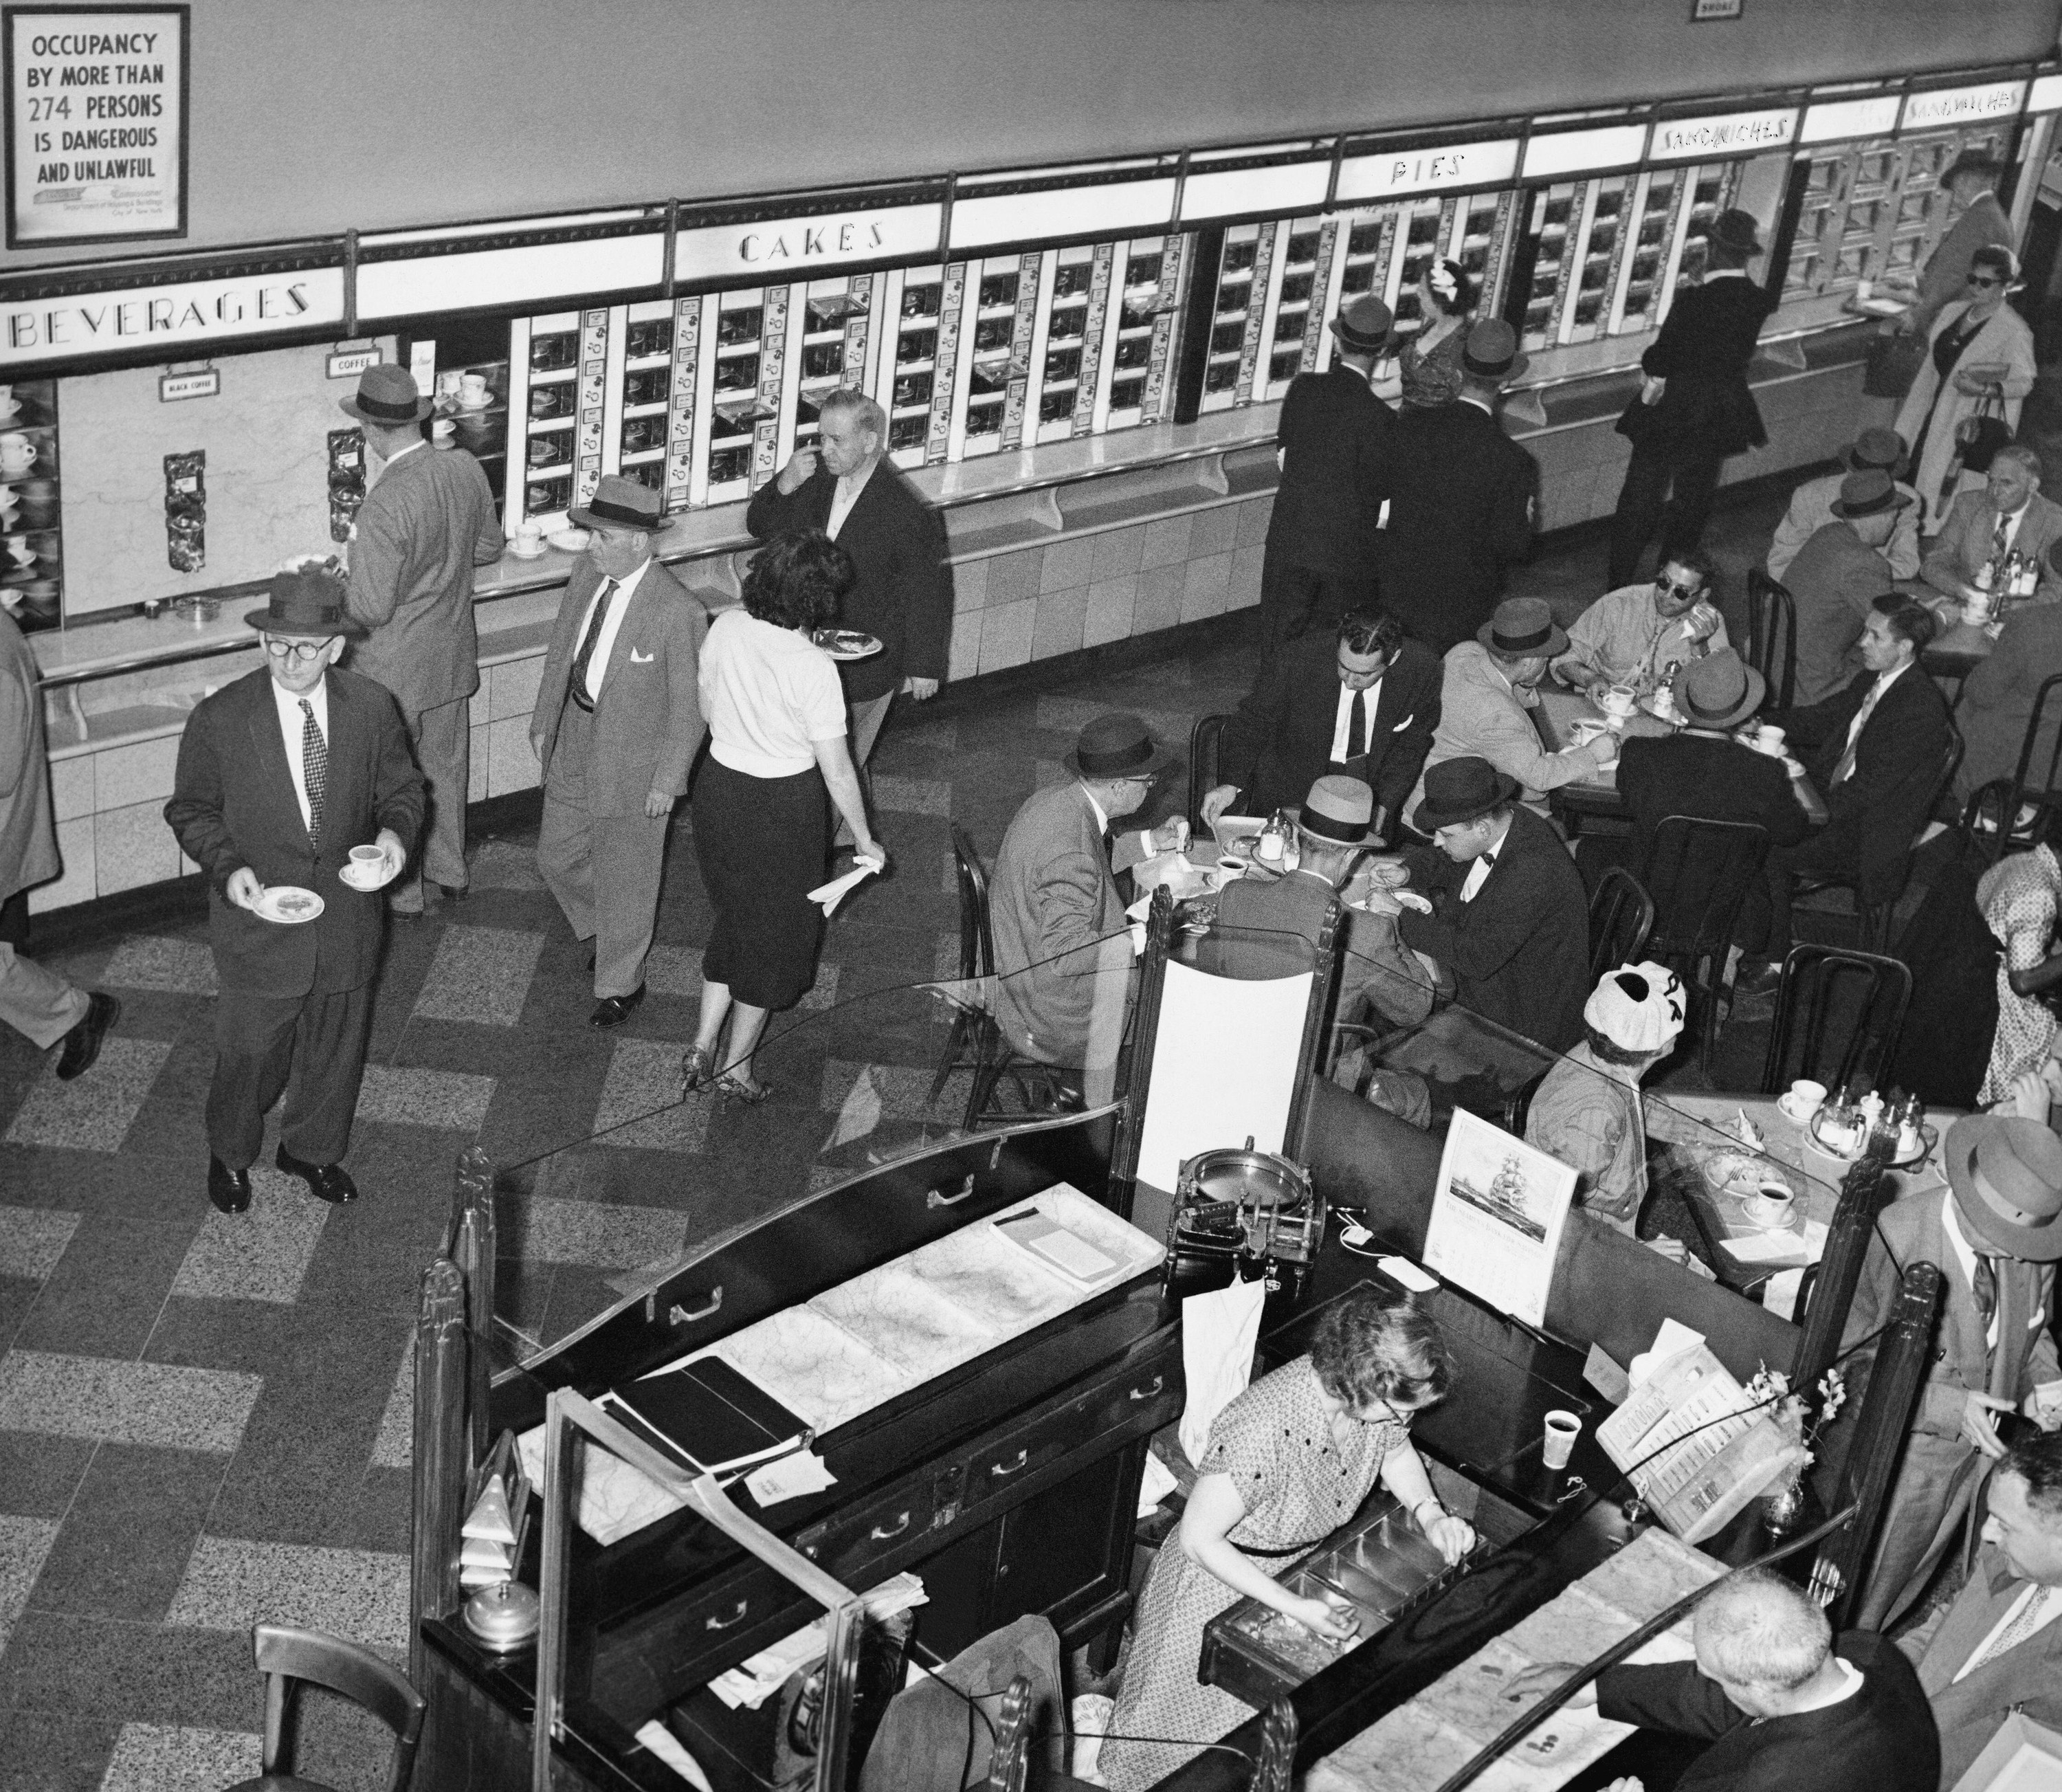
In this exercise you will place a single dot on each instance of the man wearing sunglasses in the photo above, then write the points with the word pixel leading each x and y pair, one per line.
pixel 282 776
pixel 1638 635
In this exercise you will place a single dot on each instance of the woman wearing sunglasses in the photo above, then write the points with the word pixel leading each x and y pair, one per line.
pixel 1981 354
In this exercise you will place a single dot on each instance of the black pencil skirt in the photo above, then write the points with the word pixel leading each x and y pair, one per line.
pixel 763 845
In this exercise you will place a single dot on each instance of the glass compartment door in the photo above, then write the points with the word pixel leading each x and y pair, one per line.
pixel 1245 267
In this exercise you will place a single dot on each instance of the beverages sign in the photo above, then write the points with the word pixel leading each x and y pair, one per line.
pixel 96 123
pixel 175 318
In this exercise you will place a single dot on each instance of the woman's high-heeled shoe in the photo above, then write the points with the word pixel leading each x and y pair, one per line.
pixel 733 1087
pixel 699 1073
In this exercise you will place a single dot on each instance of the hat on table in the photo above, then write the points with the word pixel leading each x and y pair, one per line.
pixel 1876 447
pixel 620 503
pixel 1868 493
pixel 1491 351
pixel 2007 1176
pixel 1339 810
pixel 1459 790
pixel 1117 745
pixel 1362 324
pixel 307 602
pixel 387 397
pixel 1523 627
pixel 1719 690
pixel 1737 230
pixel 1638 1008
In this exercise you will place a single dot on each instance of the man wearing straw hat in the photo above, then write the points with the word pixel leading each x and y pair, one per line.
pixel 1334 439
pixel 1996 1234
pixel 283 777
pixel 426 522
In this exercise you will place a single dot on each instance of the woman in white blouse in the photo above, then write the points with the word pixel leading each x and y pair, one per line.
pixel 777 745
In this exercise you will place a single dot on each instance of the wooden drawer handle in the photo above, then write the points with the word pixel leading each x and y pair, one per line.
pixel 881 1534
pixel 735 1618
pixel 999 1469
pixel 677 1315
pixel 1159 1382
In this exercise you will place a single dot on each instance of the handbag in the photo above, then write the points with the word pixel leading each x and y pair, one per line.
pixel 1891 364
pixel 1978 437
pixel 1639 421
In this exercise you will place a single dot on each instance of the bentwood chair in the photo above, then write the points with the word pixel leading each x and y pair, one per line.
pixel 1873 920
pixel 1838 1015
pixel 1772 630
pixel 1621 917
pixel 289 1658
pixel 1990 819
pixel 1205 754
pixel 1700 872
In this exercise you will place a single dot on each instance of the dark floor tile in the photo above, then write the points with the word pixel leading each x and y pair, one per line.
pixel 43 1751
pixel 103 1299
pixel 94 1667
pixel 39 1473
pixel 377 1516
pixel 124 1544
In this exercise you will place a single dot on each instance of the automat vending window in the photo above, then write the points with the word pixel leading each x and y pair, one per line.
pixel 999 349
pixel 912 367
pixel 1149 300
pixel 749 340
pixel 645 387
pixel 1060 374
pixel 1302 266
pixel 1242 284
pixel 550 415
pixel 835 313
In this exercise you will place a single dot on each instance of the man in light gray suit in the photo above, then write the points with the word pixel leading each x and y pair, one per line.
pixel 36 1003
pixel 1998 1648
pixel 617 724
pixel 427 522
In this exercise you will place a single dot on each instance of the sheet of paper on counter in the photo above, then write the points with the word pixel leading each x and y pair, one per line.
pixel 788 1477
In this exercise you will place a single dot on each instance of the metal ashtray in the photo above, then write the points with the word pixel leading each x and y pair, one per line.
pixel 503 1619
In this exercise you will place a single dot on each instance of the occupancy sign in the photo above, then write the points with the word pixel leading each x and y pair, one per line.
pixel 96 122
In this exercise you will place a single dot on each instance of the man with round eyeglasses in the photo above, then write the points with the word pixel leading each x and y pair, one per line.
pixel 283 777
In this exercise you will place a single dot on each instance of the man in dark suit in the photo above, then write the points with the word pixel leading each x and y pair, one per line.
pixel 1837 575
pixel 1995 1236
pixel 1998 1648
pixel 1364 703
pixel 1875 750
pixel 1998 697
pixel 617 724
pixel 1461 499
pixel 903 593
pixel 281 775
pixel 1334 436
pixel 1509 924
pixel 427 521
pixel 1695 409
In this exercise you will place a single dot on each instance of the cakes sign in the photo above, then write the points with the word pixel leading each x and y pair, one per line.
pixel 96 123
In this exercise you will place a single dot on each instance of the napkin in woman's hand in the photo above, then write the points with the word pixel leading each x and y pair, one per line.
pixel 830 895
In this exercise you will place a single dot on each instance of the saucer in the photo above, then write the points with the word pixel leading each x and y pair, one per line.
pixel 570 541
pixel 359 884
pixel 288 904
pixel 1790 1112
pixel 523 553
pixel 484 401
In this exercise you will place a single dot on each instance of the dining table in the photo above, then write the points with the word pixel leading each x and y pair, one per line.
pixel 1596 796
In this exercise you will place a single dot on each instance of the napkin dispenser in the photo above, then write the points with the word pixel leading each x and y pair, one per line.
pixel 1245 1213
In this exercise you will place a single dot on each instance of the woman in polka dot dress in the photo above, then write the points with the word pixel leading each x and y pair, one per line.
pixel 1289 1461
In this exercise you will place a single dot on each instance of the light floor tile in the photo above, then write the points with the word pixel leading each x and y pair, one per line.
pixel 261 1254
pixel 233 1582
pixel 933 737
pixel 480 974
pixel 173 1757
pixel 904 1091
pixel 677 971
pixel 32 1239
pixel 125 1402
pixel 596 1233
pixel 24 1542
pixel 455 1100
pixel 640 1100
pixel 394 1445
pixel 912 796
pixel 186 967
pixel 93 1112
pixel 505 865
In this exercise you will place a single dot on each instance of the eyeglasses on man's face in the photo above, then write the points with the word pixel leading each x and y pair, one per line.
pixel 293 653
pixel 1985 280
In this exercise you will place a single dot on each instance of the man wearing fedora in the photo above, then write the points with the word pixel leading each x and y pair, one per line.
pixel 1061 937
pixel 1981 221
pixel 1509 926
pixel 1837 575
pixel 1487 695
pixel 1461 499
pixel 1696 408
pixel 427 521
pixel 281 775
pixel 1333 448
pixel 1995 1234
pixel 2008 516
pixel 617 724
pixel 1702 772
pixel 1812 506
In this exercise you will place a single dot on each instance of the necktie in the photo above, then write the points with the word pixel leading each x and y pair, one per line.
pixel 585 657
pixel 1845 769
pixel 315 770
pixel 1356 725
pixel 2024 1623
pixel 1983 1285
pixel 1999 538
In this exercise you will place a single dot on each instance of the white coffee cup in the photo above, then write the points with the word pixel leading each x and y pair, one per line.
pixel 19 551
pixel 472 389
pixel 443 429
pixel 368 865
pixel 1771 1205
pixel 1563 1429
pixel 448 382
pixel 1619 699
pixel 529 538
pixel 1804 1099
pixel 9 403
pixel 1769 740
pixel 18 453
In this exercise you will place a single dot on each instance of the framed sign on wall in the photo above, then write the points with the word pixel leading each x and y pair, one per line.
pixel 96 123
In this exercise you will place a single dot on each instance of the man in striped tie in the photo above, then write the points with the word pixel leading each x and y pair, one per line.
pixel 1998 1648
pixel 282 776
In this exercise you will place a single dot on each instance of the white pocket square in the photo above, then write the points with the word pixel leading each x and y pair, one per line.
pixel 637 659
pixel 1405 723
